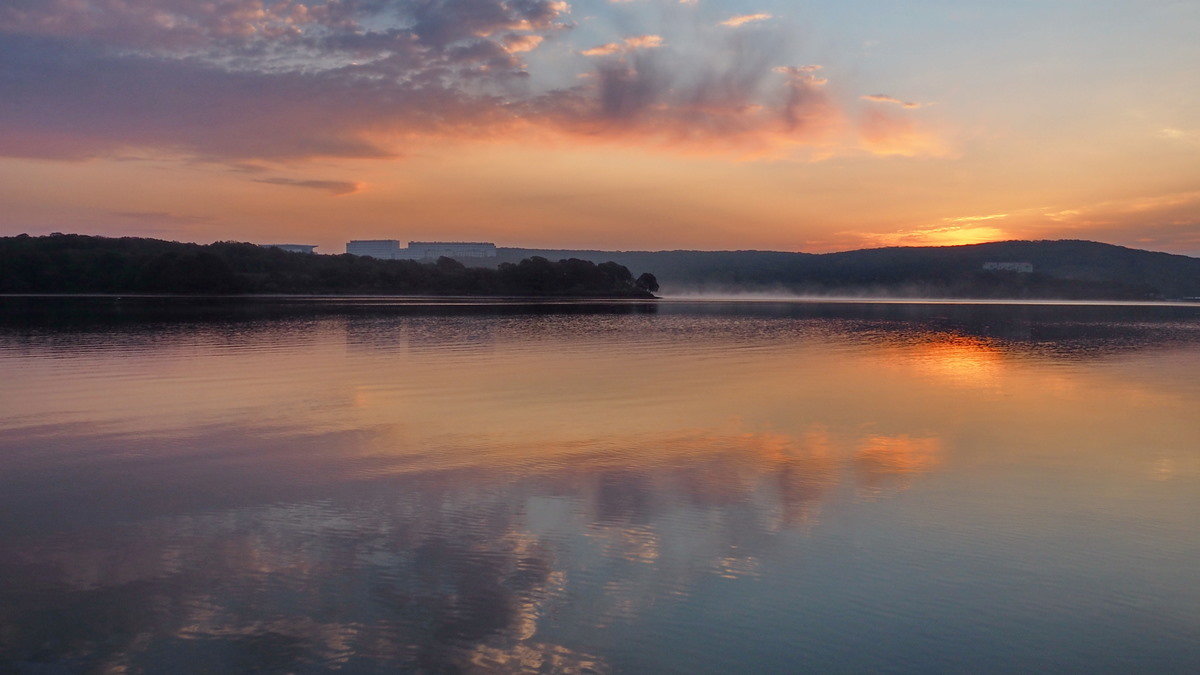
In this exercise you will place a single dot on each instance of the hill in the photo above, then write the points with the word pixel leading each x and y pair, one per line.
pixel 69 263
pixel 1069 269
pixel 1062 269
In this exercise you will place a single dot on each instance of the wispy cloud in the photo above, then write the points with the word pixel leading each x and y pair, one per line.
pixel 743 19
pixel 975 219
pixel 1133 206
pixel 884 98
pixel 334 187
pixel 628 44
pixel 1168 221
pixel 161 217
pixel 1189 136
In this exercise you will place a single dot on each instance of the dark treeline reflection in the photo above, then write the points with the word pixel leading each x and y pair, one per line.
pixel 304 485
pixel 1094 326
pixel 152 312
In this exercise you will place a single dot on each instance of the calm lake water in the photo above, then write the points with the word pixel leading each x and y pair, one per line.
pixel 373 485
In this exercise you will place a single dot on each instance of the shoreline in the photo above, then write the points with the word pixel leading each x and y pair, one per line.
pixel 579 299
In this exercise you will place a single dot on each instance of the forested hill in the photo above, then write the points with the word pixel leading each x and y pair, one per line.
pixel 1063 268
pixel 67 263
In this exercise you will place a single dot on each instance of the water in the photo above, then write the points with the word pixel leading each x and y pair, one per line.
pixel 371 485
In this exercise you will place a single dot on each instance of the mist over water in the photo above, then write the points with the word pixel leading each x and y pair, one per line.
pixel 378 484
pixel 783 295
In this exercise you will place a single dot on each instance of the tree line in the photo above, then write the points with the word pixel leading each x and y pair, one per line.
pixel 70 263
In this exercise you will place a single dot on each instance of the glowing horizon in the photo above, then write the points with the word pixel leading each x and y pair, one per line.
pixel 633 125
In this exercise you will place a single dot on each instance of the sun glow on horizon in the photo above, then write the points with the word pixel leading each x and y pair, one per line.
pixel 953 235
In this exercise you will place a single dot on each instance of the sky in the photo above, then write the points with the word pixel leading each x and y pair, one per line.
pixel 610 124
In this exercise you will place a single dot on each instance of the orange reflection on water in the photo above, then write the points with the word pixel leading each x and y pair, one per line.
pixel 961 360
pixel 729 411
pixel 890 461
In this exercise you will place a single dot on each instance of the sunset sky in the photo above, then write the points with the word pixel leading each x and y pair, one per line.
pixel 614 124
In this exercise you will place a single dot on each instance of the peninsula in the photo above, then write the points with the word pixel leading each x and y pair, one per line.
pixel 71 263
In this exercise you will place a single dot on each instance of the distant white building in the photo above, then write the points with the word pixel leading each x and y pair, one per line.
pixel 1020 267
pixel 432 250
pixel 384 249
pixel 292 248
pixel 389 249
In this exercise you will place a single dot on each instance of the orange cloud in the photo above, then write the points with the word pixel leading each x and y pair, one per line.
pixel 741 20
pixel 644 41
pixel 517 44
pixel 604 49
pixel 1168 221
pixel 629 43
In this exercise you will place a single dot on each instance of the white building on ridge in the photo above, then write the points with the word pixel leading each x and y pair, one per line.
pixel 384 249
pixel 292 248
pixel 432 250
pixel 389 249
pixel 1020 267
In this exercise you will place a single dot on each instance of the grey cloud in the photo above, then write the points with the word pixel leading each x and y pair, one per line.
pixel 335 187
pixel 70 102
pixel 236 81
pixel 161 217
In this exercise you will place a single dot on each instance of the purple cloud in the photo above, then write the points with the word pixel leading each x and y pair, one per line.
pixel 242 80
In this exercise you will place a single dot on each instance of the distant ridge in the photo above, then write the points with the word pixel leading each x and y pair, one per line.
pixel 1062 268
pixel 1067 269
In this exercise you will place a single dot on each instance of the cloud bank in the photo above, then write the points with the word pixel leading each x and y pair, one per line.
pixel 239 80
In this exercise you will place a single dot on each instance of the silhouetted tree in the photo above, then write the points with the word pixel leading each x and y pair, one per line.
pixel 647 282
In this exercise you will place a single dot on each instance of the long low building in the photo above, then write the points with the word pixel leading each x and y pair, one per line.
pixel 418 250
pixel 1019 267
pixel 292 248
pixel 389 249
pixel 384 249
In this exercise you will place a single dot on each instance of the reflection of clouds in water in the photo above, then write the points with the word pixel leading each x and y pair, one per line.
pixel 890 462
pixel 535 657
pixel 429 494
pixel 635 544
pixel 441 569
pixel 736 565
pixel 309 585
